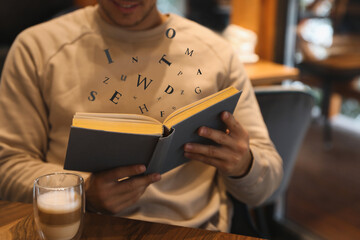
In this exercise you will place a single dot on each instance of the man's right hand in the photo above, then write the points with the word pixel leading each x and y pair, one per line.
pixel 114 190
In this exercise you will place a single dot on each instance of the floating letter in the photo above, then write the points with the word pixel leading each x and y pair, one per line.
pixel 163 59
pixel 117 96
pixel 188 52
pixel 170 33
pixel 198 90
pixel 108 56
pixel 135 59
pixel 143 108
pixel 143 81
pixel 169 89
pixel 106 79
pixel 92 96
pixel 123 77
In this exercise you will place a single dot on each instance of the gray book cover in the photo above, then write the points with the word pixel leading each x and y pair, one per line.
pixel 95 150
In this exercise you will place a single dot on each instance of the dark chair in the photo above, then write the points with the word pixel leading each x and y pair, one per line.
pixel 287 115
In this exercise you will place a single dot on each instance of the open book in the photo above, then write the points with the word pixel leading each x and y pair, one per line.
pixel 101 141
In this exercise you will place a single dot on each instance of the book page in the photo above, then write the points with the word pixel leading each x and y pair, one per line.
pixel 123 117
pixel 124 123
pixel 198 106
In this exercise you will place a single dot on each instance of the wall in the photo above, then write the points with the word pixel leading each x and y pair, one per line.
pixel 259 16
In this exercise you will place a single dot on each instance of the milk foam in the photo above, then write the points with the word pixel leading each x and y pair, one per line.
pixel 59 202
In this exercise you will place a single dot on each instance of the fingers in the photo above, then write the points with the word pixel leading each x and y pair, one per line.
pixel 234 130
pixel 113 190
pixel 235 137
pixel 135 183
pixel 128 192
pixel 207 154
pixel 200 151
pixel 220 137
pixel 121 172
pixel 227 161
pixel 233 126
pixel 231 155
pixel 218 157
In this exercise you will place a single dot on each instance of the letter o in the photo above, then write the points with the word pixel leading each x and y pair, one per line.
pixel 170 33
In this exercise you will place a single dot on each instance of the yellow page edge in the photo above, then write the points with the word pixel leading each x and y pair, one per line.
pixel 198 106
pixel 116 116
pixel 117 126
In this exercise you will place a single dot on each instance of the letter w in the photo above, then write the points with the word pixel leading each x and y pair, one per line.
pixel 143 81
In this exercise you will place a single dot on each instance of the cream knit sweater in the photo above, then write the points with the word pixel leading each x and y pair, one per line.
pixel 78 62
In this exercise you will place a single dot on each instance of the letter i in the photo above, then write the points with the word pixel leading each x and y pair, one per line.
pixel 108 56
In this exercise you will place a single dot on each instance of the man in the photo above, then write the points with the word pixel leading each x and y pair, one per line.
pixel 125 56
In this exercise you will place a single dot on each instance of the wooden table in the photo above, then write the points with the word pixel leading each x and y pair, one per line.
pixel 17 222
pixel 268 73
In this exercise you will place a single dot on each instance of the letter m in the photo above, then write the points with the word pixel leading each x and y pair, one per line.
pixel 188 52
pixel 143 81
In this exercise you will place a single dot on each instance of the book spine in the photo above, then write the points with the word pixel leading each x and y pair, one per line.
pixel 158 163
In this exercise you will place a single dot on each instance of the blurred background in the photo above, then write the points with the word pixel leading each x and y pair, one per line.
pixel 311 44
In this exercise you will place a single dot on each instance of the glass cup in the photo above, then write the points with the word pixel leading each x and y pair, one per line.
pixel 59 206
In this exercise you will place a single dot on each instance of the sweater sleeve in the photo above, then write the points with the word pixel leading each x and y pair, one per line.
pixel 266 171
pixel 24 126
